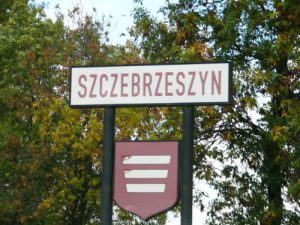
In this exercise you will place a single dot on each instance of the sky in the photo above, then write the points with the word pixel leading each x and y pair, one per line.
pixel 119 10
pixel 121 18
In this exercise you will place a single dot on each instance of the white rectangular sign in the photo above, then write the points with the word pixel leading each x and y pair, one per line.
pixel 167 84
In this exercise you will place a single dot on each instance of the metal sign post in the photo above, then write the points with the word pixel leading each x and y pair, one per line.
pixel 187 152
pixel 108 160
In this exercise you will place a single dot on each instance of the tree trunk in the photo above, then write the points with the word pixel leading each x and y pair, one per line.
pixel 273 179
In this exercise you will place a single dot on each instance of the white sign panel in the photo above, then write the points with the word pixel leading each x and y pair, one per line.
pixel 168 84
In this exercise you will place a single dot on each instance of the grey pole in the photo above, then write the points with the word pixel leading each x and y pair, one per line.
pixel 108 166
pixel 187 151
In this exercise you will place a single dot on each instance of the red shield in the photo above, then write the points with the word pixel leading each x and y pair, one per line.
pixel 146 177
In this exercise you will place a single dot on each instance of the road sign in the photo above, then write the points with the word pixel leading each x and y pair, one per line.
pixel 146 174
pixel 168 84
pixel 146 177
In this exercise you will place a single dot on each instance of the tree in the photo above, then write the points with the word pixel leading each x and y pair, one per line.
pixel 22 40
pixel 259 156
pixel 50 154
pixel 264 46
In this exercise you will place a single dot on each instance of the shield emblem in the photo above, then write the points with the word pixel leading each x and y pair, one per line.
pixel 146 177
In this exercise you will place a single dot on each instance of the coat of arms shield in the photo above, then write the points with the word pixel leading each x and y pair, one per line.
pixel 146 177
